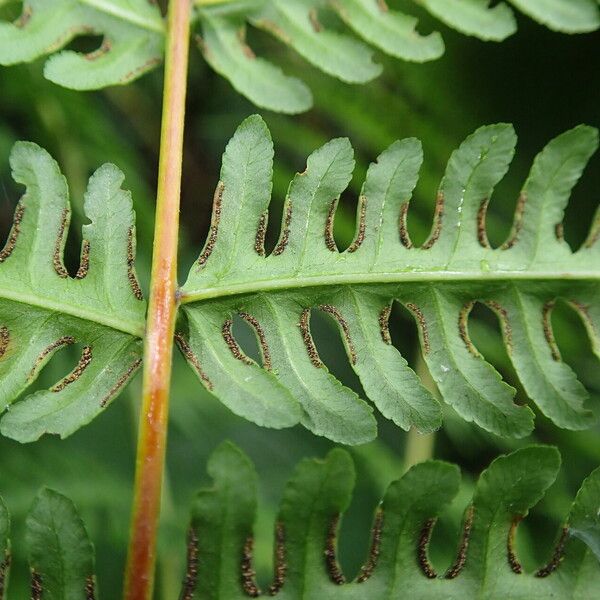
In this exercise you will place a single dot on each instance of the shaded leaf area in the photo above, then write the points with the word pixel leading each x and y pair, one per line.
pixel 338 37
pixel 437 282
pixel 61 556
pixel 313 29
pixel 220 563
pixel 132 44
pixel 44 309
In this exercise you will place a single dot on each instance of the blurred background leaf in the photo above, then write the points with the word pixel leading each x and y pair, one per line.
pixel 541 82
pixel 90 45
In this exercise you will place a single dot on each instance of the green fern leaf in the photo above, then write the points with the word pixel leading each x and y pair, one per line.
pixel 133 33
pixel 225 50
pixel 298 25
pixel 478 18
pixel 133 43
pixel 43 309
pixel 568 16
pixel 474 17
pixel 438 283
pixel 61 555
pixel 391 31
pixel 486 564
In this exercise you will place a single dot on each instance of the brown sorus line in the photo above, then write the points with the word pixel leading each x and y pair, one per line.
pixel 329 240
pixel 367 569
pixel 307 338
pixel 121 382
pixel 248 572
pixel 262 338
pixel 14 233
pixel 513 561
pixel 337 315
pixel 285 232
pixel 280 564
pixel 214 226
pixel 84 263
pixel 422 325
pixel 557 556
pixel 231 342
pixel 331 563
pixel 261 232
pixel 461 557
pixel 517 223
pixel 57 258
pixel 191 573
pixel 437 222
pixel 133 282
pixel 77 372
pixel 422 555
pixel 192 359
pixel 362 224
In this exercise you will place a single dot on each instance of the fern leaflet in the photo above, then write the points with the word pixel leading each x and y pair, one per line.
pixel 438 282
pixel 133 38
pixel 61 556
pixel 220 537
pixel 43 309
pixel 220 563
pixel 133 33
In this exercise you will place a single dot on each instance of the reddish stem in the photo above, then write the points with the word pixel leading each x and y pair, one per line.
pixel 162 310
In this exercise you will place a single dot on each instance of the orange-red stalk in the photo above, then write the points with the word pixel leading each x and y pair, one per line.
pixel 162 309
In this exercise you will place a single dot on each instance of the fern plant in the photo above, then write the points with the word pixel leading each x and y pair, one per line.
pixel 220 536
pixel 305 564
pixel 44 309
pixel 438 282
pixel 61 556
pixel 134 37
pixel 100 307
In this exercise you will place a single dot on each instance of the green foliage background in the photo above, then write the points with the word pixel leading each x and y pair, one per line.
pixel 542 82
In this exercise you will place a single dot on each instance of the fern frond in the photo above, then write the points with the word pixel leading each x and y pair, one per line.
pixel 43 309
pixel 299 25
pixel 438 282
pixel 220 563
pixel 133 33
pixel 572 16
pixel 480 19
pixel 133 41
pixel 61 556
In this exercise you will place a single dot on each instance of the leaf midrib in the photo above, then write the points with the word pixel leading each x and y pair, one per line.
pixel 324 280
pixel 134 329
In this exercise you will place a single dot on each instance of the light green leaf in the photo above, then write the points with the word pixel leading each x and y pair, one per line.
pixel 61 555
pixel 297 24
pixel 133 41
pixel 225 50
pixel 43 309
pixel 391 31
pixel 568 16
pixel 229 509
pixel 134 31
pixel 474 17
pixel 220 542
pixel 438 282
